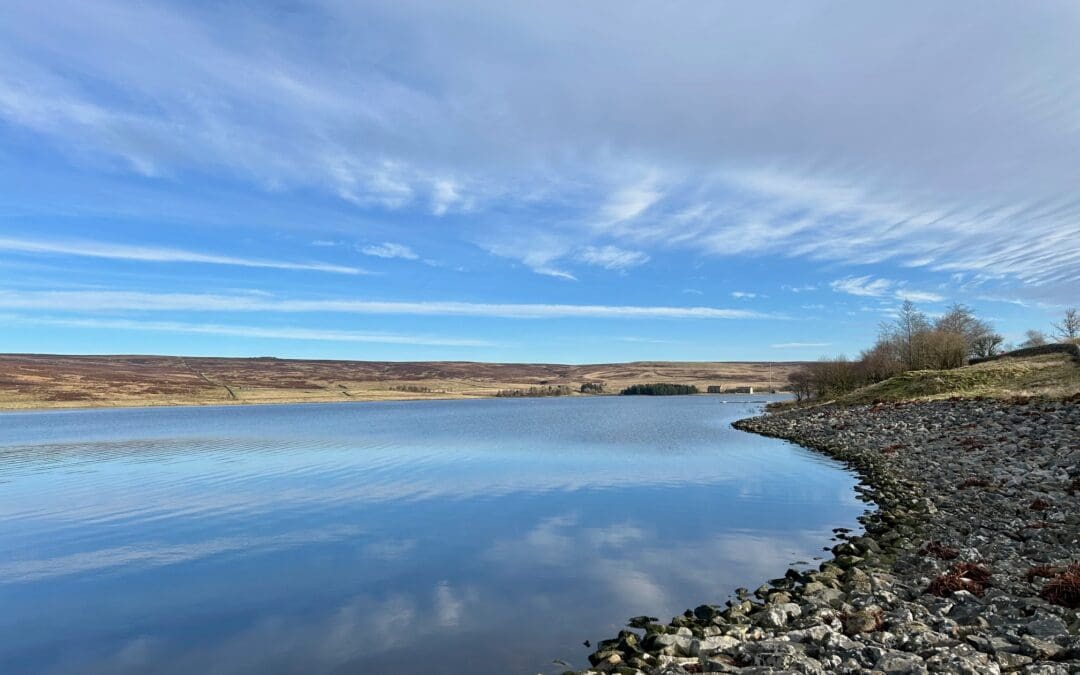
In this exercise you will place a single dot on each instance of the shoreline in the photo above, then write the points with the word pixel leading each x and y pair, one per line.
pixel 978 507
pixel 349 401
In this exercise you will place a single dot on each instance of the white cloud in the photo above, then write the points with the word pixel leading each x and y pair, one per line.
pixel 918 296
pixel 965 166
pixel 389 250
pixel 612 257
pixel 743 295
pixel 863 286
pixel 445 194
pixel 868 286
pixel 630 202
pixel 94 249
pixel 554 272
pixel 539 252
pixel 110 301
pixel 263 332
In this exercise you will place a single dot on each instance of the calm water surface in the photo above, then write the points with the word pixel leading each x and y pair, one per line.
pixel 484 536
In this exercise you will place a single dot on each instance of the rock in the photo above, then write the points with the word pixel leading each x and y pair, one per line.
pixel 900 664
pixel 1039 649
pixel 1011 662
pixel 712 645
pixel 1047 625
pixel 772 616
pixel 963 473
pixel 862 621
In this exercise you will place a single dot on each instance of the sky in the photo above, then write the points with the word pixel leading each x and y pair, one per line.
pixel 565 182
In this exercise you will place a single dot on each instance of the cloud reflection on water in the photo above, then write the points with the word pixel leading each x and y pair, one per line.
pixel 343 550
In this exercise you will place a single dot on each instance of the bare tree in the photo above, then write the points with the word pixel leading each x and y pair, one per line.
pixel 941 350
pixel 987 345
pixel 1068 329
pixel 881 361
pixel 907 327
pixel 979 337
pixel 801 383
pixel 1034 338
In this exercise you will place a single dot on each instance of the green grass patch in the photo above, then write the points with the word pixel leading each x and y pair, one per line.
pixel 1051 376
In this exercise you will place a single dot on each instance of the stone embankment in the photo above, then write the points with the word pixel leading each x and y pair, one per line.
pixel 970 563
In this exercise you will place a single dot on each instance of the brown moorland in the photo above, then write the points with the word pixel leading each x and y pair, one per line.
pixel 52 381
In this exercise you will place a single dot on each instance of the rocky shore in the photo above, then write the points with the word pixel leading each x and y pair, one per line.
pixel 969 563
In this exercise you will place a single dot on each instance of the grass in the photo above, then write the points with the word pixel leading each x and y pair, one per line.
pixel 1048 376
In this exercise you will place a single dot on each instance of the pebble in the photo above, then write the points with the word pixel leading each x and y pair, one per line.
pixel 970 496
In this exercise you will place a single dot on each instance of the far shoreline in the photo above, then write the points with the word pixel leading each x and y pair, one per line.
pixel 57 382
pixel 278 403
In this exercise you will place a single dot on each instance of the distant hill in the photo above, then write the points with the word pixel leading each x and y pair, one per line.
pixel 51 381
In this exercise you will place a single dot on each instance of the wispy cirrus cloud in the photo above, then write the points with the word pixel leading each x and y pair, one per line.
pixel 612 257
pixel 114 301
pixel 866 286
pixel 963 165
pixel 631 201
pixel 869 286
pixel 261 332
pixel 389 250
pixel 799 345
pixel 157 254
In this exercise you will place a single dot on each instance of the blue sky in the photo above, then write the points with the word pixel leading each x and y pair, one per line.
pixel 563 181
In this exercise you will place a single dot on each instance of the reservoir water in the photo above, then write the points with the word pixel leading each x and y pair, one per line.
pixel 487 536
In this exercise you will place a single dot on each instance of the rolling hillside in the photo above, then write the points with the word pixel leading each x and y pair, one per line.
pixel 48 381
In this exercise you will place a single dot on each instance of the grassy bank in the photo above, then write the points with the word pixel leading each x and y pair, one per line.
pixel 1046 376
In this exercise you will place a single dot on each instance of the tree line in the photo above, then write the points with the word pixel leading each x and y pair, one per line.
pixel 659 389
pixel 1067 330
pixel 535 392
pixel 914 341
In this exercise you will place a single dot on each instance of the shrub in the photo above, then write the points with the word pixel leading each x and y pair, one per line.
pixel 1063 588
pixel 659 389
pixel 971 577
pixel 534 392
pixel 1042 571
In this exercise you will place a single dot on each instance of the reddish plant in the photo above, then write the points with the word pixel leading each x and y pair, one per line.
pixel 974 571
pixel 975 482
pixel 939 550
pixel 1064 588
pixel 890 449
pixel 1040 504
pixel 970 443
pixel 970 577
pixel 1042 572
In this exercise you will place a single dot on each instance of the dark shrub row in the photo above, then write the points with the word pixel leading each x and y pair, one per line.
pixel 660 389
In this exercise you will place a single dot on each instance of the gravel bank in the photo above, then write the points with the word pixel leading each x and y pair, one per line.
pixel 963 567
